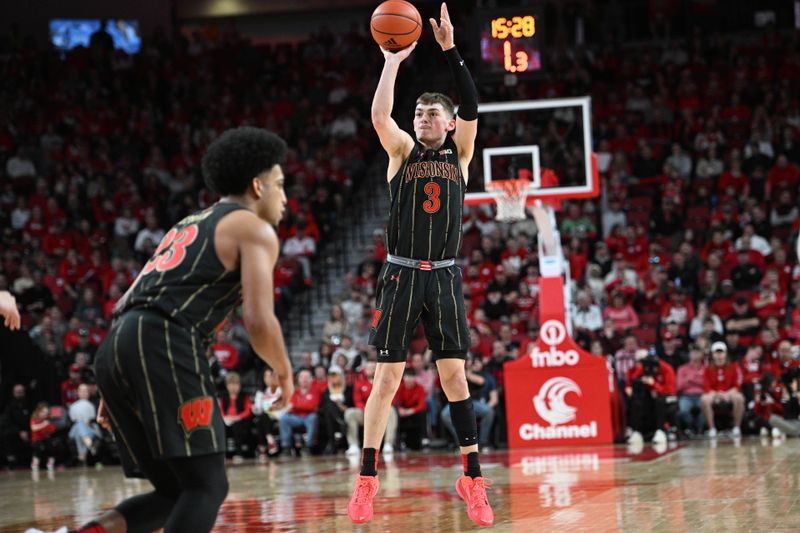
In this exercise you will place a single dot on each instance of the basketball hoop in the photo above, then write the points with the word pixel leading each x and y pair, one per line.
pixel 510 196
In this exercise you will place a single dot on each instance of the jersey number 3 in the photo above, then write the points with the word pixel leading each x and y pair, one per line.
pixel 432 204
pixel 172 250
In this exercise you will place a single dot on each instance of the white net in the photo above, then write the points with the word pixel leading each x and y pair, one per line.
pixel 510 196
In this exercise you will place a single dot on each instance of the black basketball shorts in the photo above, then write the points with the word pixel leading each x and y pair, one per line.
pixel 155 382
pixel 404 296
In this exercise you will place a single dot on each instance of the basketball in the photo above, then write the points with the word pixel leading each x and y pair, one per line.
pixel 395 24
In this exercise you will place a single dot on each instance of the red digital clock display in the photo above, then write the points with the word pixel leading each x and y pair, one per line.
pixel 508 44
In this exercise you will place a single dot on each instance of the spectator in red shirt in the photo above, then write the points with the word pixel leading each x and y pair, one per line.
pixel 237 414
pixel 225 352
pixel 354 416
pixel 320 382
pixel 721 385
pixel 786 360
pixel 734 182
pixel 514 255
pixel 411 404
pixel 753 367
pixel 678 309
pixel 784 176
pixel 72 269
pixel 690 380
pixel 56 241
pixel 42 431
pixel 69 388
pixel 302 413
pixel 717 244
pixel 651 389
pixel 768 302
pixel 722 306
pixel 621 313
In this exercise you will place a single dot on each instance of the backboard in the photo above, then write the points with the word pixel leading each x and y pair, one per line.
pixel 548 142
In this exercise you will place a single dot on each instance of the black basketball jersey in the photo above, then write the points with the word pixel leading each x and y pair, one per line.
pixel 185 280
pixel 427 199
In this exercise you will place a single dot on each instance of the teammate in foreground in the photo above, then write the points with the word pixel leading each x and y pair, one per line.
pixel 151 370
pixel 427 178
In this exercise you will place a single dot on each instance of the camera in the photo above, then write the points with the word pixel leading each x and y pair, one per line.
pixel 765 385
pixel 789 376
pixel 650 366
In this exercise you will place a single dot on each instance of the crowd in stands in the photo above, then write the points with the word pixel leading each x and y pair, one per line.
pixel 684 269
pixel 99 156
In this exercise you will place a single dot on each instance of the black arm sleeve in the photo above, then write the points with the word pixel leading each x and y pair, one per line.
pixel 465 85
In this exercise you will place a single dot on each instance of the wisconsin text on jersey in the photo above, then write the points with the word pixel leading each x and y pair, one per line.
pixel 429 169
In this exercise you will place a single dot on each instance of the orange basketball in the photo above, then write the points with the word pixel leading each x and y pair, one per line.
pixel 395 24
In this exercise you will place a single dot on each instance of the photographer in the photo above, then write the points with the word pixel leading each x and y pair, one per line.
pixel 767 403
pixel 721 384
pixel 788 423
pixel 651 389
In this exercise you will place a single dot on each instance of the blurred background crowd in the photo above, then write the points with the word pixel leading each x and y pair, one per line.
pixel 684 270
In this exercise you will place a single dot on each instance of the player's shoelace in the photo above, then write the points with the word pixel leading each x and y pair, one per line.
pixel 363 491
pixel 478 491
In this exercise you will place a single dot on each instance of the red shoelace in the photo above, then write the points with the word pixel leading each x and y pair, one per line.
pixel 364 491
pixel 478 490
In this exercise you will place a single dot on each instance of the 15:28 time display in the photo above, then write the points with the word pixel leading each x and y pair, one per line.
pixel 516 27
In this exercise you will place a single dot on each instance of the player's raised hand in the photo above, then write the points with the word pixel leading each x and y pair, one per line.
pixel 8 310
pixel 443 31
pixel 400 55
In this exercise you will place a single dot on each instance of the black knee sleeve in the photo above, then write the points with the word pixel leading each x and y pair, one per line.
pixel 463 416
pixel 204 486
pixel 204 474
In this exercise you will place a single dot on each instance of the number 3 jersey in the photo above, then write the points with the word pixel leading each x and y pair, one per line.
pixel 427 199
pixel 185 280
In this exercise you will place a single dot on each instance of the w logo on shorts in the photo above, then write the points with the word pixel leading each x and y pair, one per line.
pixel 196 413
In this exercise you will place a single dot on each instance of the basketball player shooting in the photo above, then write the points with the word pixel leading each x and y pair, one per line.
pixel 427 177
pixel 151 369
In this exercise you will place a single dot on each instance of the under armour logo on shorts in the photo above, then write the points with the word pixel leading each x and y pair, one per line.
pixel 383 353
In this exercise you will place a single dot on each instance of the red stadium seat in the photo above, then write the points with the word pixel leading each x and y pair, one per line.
pixel 649 319
pixel 698 218
pixel 640 203
pixel 645 335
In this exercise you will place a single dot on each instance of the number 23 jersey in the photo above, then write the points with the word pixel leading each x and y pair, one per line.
pixel 184 280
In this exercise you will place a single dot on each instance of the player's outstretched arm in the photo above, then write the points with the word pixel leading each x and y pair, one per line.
pixel 396 142
pixel 9 311
pixel 467 119
pixel 258 253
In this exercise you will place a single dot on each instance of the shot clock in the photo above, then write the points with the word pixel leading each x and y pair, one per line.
pixel 509 41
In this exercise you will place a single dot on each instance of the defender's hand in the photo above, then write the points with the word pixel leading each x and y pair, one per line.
pixel 8 309
pixel 443 31
pixel 287 389
pixel 400 55
pixel 101 416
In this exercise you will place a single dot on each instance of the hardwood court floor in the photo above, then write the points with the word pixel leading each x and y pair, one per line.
pixel 697 487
